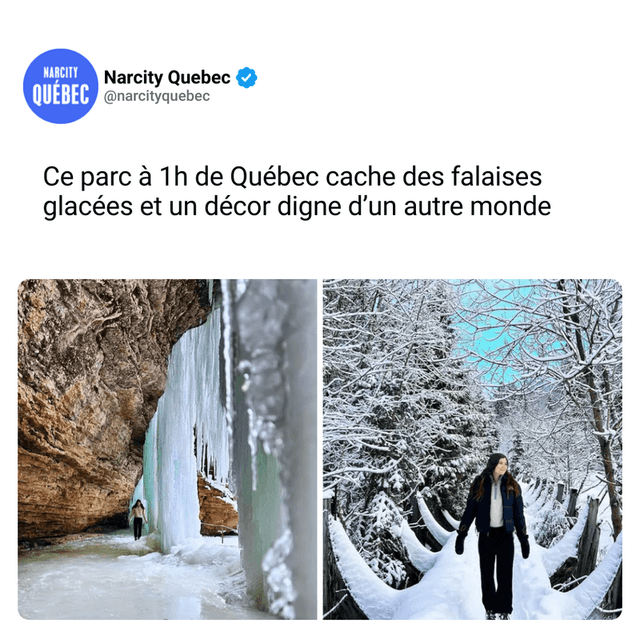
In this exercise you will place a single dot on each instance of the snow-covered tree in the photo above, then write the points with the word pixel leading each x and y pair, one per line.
pixel 400 410
pixel 558 345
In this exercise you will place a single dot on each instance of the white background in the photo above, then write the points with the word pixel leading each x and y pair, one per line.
pixel 547 86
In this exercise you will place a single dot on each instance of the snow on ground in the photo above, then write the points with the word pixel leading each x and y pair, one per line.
pixel 450 588
pixel 114 577
pixel 449 591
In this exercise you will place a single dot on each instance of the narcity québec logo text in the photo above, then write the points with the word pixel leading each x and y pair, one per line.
pixel 60 93
pixel 175 77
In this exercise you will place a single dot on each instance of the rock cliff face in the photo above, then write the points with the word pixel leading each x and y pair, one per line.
pixel 92 360
pixel 217 515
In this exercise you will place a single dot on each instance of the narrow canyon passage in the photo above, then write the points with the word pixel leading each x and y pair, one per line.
pixel 111 576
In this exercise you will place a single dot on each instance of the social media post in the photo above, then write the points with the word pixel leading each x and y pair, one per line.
pixel 378 156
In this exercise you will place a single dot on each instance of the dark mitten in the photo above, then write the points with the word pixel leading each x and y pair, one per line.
pixel 524 544
pixel 460 543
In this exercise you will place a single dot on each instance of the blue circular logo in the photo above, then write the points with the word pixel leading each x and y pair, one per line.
pixel 60 86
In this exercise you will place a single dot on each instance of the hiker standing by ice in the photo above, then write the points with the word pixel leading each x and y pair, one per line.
pixel 137 513
pixel 495 502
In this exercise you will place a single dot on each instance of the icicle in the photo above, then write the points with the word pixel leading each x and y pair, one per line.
pixel 274 325
pixel 189 409
pixel 228 304
pixel 149 474
pixel 281 594
pixel 253 445
pixel 260 317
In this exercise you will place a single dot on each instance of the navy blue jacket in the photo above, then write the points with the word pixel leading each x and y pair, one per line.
pixel 512 510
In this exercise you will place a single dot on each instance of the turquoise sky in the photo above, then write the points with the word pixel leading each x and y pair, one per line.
pixel 485 339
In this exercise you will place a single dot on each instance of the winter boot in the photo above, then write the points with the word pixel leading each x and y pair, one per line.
pixel 489 615
pixel 504 616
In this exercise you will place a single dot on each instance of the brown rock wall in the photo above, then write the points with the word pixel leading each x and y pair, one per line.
pixel 216 514
pixel 92 361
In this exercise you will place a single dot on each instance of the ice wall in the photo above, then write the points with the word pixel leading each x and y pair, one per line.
pixel 269 419
pixel 189 412
pixel 270 347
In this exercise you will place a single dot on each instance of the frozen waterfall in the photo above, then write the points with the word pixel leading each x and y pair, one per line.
pixel 254 396
pixel 187 434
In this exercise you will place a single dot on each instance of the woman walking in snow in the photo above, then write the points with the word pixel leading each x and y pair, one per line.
pixel 137 513
pixel 495 502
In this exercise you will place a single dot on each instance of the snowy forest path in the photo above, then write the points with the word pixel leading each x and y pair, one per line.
pixel 450 586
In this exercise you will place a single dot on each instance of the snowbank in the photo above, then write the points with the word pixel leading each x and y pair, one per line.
pixel 438 532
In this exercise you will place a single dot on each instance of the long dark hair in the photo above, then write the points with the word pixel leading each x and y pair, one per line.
pixel 487 473
pixel 138 502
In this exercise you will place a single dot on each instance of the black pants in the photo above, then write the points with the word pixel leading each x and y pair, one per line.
pixel 496 552
pixel 137 528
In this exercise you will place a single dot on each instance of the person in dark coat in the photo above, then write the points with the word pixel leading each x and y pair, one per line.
pixel 495 503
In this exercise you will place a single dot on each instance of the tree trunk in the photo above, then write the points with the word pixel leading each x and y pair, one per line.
pixel 603 441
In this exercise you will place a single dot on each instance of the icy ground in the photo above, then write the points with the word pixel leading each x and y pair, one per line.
pixel 112 576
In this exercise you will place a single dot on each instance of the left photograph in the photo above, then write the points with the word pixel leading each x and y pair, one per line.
pixel 167 443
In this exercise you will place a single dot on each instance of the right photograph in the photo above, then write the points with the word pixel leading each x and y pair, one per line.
pixel 472 449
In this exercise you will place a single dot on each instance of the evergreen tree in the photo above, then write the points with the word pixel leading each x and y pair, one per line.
pixel 401 411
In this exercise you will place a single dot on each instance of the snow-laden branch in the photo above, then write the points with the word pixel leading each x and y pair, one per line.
pixel 386 469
